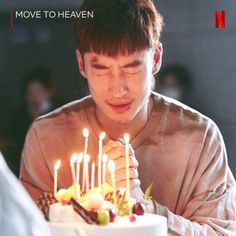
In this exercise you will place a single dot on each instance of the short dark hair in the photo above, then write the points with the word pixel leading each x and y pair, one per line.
pixel 118 26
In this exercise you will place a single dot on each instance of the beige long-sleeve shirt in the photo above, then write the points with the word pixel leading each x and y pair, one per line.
pixel 180 150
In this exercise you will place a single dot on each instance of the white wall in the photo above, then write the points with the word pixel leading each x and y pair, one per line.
pixel 190 38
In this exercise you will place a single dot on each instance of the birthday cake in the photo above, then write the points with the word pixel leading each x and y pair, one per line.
pixel 98 213
pixel 149 224
pixel 86 210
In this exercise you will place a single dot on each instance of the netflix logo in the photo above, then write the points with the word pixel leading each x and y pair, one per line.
pixel 220 19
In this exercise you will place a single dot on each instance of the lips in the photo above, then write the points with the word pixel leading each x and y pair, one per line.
pixel 120 108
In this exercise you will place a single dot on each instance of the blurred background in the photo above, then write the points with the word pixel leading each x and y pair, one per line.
pixel 38 70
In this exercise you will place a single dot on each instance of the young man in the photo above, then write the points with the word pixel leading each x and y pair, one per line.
pixel 178 149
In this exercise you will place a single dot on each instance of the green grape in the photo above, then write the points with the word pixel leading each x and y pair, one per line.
pixel 103 217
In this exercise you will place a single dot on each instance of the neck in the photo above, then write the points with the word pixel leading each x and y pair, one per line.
pixel 133 127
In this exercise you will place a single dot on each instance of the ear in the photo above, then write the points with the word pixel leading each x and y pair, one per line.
pixel 157 58
pixel 80 62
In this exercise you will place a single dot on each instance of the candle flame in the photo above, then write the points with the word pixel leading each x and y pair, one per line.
pixel 79 158
pixel 126 138
pixel 87 158
pixel 57 165
pixel 111 165
pixel 104 158
pixel 73 158
pixel 85 133
pixel 102 135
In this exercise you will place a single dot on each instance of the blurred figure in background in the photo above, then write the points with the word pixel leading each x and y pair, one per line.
pixel 18 214
pixel 175 81
pixel 38 93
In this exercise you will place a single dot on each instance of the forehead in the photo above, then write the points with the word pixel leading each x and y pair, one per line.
pixel 93 57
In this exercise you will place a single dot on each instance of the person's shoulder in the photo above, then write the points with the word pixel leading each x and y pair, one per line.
pixel 182 117
pixel 66 114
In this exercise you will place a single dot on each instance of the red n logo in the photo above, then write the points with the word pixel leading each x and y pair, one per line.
pixel 220 19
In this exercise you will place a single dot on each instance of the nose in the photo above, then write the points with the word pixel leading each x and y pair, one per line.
pixel 118 85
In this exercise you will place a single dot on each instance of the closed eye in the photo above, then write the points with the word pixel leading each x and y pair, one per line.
pixel 132 64
pixel 100 70
pixel 99 67
pixel 133 72
pixel 133 67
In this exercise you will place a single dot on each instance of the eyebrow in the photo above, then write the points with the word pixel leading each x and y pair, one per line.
pixel 99 66
pixel 132 64
pixel 95 63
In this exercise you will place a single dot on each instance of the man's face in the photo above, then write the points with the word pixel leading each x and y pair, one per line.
pixel 121 85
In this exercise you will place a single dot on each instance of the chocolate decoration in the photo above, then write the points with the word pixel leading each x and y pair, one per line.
pixel 86 215
pixel 45 200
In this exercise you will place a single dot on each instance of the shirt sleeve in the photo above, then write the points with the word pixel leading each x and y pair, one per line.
pixel 211 208
pixel 18 214
pixel 34 172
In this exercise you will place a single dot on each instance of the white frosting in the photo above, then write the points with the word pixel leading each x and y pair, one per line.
pixel 149 224
pixel 107 205
pixel 61 213
pixel 95 200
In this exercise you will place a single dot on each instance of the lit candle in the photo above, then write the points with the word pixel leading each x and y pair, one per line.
pixel 87 172
pixel 92 175
pixel 78 161
pixel 85 134
pixel 101 137
pixel 56 167
pixel 72 166
pixel 111 167
pixel 104 166
pixel 126 138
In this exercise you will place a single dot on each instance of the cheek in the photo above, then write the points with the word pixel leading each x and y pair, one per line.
pixel 143 82
pixel 96 84
pixel 96 87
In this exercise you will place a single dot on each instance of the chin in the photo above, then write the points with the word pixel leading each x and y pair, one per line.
pixel 122 119
pixel 121 122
